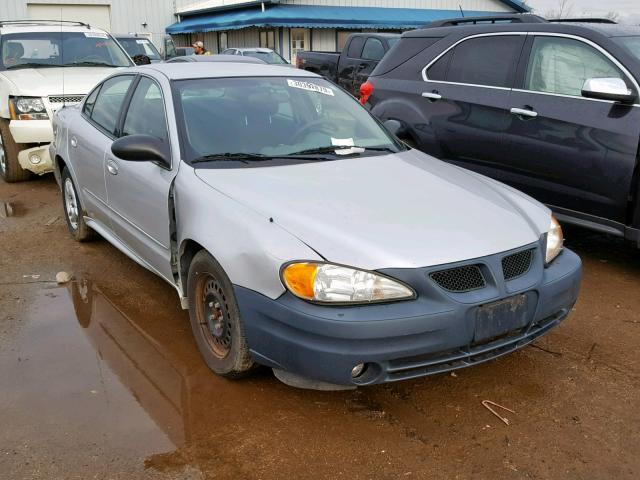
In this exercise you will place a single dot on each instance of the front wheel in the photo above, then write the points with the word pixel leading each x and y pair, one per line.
pixel 73 212
pixel 215 318
pixel 10 169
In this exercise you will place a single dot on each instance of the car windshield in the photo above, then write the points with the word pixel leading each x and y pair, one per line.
pixel 630 43
pixel 139 46
pixel 268 57
pixel 275 117
pixel 60 49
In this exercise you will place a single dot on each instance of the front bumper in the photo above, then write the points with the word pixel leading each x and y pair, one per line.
pixel 35 159
pixel 434 333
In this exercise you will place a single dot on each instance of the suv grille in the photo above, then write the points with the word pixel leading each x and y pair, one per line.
pixel 460 279
pixel 517 265
pixel 66 98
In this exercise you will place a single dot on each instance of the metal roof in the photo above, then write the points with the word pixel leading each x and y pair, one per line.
pixel 308 16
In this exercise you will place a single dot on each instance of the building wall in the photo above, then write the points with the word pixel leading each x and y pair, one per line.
pixel 126 15
pixel 488 5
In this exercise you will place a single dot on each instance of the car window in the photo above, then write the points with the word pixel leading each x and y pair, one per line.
pixel 90 102
pixel 373 49
pixel 140 46
pixel 146 114
pixel 438 71
pixel 561 65
pixel 489 61
pixel 355 47
pixel 106 110
pixel 271 116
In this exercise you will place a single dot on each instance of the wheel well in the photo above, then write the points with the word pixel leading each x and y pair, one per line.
pixel 58 167
pixel 188 250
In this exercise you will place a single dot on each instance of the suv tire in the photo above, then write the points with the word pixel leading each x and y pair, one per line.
pixel 10 169
pixel 215 318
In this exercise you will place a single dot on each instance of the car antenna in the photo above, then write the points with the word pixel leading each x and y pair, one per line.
pixel 461 11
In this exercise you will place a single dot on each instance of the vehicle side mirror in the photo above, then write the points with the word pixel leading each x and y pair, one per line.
pixel 142 148
pixel 395 127
pixel 613 89
pixel 141 59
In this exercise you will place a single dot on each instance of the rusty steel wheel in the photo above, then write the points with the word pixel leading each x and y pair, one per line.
pixel 215 318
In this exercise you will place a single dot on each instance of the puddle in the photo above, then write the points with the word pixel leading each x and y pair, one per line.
pixel 82 372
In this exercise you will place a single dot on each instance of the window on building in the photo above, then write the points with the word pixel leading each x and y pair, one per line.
pixel 489 61
pixel 268 39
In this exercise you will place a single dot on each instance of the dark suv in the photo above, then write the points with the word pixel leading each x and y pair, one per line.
pixel 550 108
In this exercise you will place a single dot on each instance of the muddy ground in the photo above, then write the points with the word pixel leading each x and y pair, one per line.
pixel 102 379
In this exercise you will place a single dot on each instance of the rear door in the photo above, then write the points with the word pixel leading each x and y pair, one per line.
pixel 89 139
pixel 465 100
pixel 573 153
pixel 372 53
pixel 138 192
pixel 349 61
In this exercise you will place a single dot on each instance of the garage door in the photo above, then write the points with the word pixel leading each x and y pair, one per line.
pixel 94 15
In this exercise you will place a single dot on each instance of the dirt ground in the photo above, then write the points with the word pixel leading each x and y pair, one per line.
pixel 102 379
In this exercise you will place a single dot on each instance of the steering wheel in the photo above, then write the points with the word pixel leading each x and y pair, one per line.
pixel 321 124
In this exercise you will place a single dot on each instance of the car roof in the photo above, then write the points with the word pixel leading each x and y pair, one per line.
pixel 252 49
pixel 575 28
pixel 218 58
pixel 49 27
pixel 129 35
pixel 195 70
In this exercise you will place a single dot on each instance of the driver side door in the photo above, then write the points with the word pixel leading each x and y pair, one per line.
pixel 138 191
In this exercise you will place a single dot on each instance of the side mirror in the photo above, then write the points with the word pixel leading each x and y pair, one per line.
pixel 142 148
pixel 141 59
pixel 394 126
pixel 613 89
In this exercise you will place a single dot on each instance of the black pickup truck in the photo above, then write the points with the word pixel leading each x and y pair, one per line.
pixel 352 67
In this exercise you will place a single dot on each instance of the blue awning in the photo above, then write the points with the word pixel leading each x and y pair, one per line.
pixel 307 16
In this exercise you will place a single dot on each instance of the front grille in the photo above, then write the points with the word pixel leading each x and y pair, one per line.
pixel 460 279
pixel 66 98
pixel 517 265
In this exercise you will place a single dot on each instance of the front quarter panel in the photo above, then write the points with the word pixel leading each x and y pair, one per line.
pixel 249 246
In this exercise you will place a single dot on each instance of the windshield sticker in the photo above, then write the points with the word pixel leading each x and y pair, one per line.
pixel 312 87
pixel 95 35
pixel 342 142
pixel 142 42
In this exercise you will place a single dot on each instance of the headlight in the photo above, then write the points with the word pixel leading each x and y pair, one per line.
pixel 555 239
pixel 27 108
pixel 327 283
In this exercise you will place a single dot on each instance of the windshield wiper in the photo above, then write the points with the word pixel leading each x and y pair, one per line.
pixel 90 64
pixel 31 65
pixel 246 157
pixel 337 149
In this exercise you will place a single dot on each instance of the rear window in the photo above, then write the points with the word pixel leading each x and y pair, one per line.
pixel 403 49
pixel 487 61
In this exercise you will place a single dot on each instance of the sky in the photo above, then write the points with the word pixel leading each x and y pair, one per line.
pixel 629 10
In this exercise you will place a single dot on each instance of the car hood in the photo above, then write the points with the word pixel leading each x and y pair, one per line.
pixel 42 82
pixel 402 210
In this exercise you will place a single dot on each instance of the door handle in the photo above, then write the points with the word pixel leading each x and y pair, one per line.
pixel 74 142
pixel 432 96
pixel 524 112
pixel 112 168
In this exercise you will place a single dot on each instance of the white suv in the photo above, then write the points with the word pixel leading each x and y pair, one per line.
pixel 45 65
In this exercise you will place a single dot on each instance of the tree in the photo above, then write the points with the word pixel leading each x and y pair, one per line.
pixel 563 10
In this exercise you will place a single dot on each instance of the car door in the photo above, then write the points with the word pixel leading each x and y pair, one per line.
pixel 91 136
pixel 573 153
pixel 372 53
pixel 138 191
pixel 464 100
pixel 349 61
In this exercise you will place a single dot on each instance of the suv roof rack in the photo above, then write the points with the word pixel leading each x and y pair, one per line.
pixel 42 22
pixel 463 21
pixel 583 20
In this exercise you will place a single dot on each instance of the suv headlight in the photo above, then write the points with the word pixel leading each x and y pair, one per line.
pixel 555 240
pixel 328 283
pixel 27 108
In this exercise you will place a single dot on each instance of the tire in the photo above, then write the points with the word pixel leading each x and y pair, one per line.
pixel 10 169
pixel 73 211
pixel 215 318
